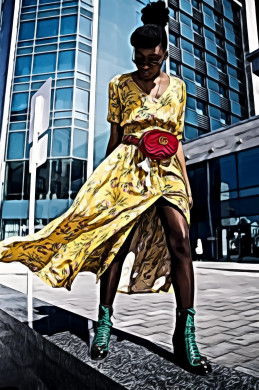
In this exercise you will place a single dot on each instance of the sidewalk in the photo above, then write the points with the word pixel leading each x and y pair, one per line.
pixel 226 303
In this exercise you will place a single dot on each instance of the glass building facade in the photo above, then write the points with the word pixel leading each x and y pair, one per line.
pixel 206 52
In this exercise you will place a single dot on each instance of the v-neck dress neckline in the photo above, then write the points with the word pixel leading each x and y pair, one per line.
pixel 148 95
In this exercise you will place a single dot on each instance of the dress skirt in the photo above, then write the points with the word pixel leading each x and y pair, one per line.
pixel 88 235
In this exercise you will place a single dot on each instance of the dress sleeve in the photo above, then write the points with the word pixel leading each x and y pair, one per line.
pixel 114 106
pixel 181 115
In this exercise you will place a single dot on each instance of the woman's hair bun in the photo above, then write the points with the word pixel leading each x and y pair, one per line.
pixel 155 13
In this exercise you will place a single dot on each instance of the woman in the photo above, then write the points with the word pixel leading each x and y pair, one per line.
pixel 126 194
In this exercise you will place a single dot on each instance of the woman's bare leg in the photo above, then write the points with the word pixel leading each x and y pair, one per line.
pixel 177 236
pixel 111 277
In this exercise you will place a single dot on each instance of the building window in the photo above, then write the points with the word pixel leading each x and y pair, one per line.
pixel 173 39
pixel 217 19
pixel 47 28
pixel 222 91
pixel 199 79
pixel 172 13
pixel 197 28
pixel 197 53
pixel 219 42
pixel 223 117
pixel 220 65
pixel 196 4
pixel 173 67
pixel 200 108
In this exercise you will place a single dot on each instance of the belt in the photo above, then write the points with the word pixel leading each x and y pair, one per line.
pixel 145 165
pixel 130 139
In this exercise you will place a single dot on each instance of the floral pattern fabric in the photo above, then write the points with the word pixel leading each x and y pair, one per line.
pixel 113 200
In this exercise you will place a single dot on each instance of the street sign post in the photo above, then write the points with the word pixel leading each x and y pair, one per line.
pixel 39 123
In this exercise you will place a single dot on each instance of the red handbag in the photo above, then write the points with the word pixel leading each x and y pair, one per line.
pixel 158 144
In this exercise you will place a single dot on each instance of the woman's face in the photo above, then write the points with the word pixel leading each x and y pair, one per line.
pixel 149 61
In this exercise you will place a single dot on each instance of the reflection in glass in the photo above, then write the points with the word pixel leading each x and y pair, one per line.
pixel 42 181
pixel 84 62
pixel 60 173
pixel 66 60
pixel 68 24
pixel 64 98
pixel 47 27
pixel 78 176
pixel 82 100
pixel 44 63
pixel 23 65
pixel 85 26
pixel 26 30
pixel 16 145
pixel 61 142
pixel 80 143
pixel 19 103
pixel 248 162
pixel 14 179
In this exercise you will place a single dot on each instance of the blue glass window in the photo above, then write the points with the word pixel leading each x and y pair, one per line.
pixel 219 42
pixel 214 98
pixel 80 143
pixel 191 103
pixel 82 100
pixel 207 10
pixel 172 13
pixel 68 25
pixel 26 30
pixel 200 108
pixel 190 87
pixel 234 96
pixel 208 21
pixel 173 67
pixel 199 79
pixel 214 112
pixel 220 65
pixel 211 59
pixel 47 27
pixel 61 142
pixel 210 46
pixel 173 39
pixel 195 4
pixel 235 108
pixel 232 71
pixel 64 98
pixel 213 71
pixel 188 58
pixel 29 2
pixel 185 19
pixel 66 60
pixel 19 103
pixel 16 145
pixel 186 31
pixel 198 53
pixel 213 85
pixel 85 26
pixel 188 73
pixel 217 19
pixel 233 83
pixel 248 160
pixel 84 62
pixel 222 91
pixel 186 6
pixel 197 28
pixel 44 63
pixel 23 65
pixel 223 117
pixel 185 45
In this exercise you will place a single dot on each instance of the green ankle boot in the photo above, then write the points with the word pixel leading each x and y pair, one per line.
pixel 99 349
pixel 186 351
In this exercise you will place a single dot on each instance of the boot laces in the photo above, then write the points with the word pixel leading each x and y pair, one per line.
pixel 103 330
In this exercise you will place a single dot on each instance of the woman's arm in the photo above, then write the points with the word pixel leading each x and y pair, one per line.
pixel 115 138
pixel 181 159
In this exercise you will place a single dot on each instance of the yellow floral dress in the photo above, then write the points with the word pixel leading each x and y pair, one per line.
pixel 115 198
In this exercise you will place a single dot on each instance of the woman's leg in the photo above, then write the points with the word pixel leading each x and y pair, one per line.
pixel 177 236
pixel 109 284
pixel 111 277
